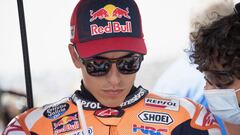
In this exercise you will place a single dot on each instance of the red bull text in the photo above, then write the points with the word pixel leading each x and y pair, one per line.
pixel 110 13
pixel 112 27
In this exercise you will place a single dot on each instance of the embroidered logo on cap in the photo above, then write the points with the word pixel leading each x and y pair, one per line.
pixel 110 13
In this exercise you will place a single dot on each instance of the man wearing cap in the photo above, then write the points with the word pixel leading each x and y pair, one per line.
pixel 108 47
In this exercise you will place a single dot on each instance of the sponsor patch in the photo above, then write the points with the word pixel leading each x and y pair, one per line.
pixel 138 95
pixel 53 112
pixel 80 132
pixel 110 13
pixel 130 100
pixel 208 119
pixel 65 124
pixel 148 130
pixel 109 112
pixel 155 117
pixel 205 118
pixel 170 104
pixel 90 105
pixel 112 27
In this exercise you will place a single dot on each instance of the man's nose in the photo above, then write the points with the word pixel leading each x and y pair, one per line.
pixel 113 75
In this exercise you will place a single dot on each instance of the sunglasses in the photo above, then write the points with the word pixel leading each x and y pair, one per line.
pixel 219 78
pixel 100 66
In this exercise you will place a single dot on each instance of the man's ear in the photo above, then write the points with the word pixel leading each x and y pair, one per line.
pixel 74 56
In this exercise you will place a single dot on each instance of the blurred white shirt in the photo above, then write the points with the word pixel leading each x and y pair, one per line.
pixel 181 79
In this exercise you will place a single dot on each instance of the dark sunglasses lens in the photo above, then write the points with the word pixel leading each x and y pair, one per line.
pixel 220 79
pixel 129 65
pixel 98 67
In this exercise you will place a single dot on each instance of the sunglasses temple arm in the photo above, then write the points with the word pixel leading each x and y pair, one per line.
pixel 75 50
pixel 82 117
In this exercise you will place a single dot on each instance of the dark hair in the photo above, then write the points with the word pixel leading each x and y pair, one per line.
pixel 217 43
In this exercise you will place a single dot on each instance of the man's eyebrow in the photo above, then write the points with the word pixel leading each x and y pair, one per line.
pixel 102 57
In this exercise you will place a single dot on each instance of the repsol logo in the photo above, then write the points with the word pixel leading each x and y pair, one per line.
pixel 90 105
pixel 155 117
pixel 165 104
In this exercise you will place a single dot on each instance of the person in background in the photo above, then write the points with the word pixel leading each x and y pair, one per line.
pixel 215 37
pixel 11 103
pixel 182 79
pixel 108 46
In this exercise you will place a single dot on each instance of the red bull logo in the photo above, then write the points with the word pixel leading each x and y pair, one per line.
pixel 119 13
pixel 100 14
pixel 66 123
pixel 110 13
pixel 112 27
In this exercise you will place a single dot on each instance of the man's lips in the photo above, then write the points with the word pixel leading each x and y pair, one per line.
pixel 111 92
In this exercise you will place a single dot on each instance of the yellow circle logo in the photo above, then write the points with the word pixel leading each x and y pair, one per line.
pixel 110 8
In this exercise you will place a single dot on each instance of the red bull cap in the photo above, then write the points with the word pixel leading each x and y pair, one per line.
pixel 100 26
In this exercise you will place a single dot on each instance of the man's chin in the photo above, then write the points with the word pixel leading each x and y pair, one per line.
pixel 112 104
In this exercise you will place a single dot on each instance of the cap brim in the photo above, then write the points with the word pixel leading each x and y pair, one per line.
pixel 96 47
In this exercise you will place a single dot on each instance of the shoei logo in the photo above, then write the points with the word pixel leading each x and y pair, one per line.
pixel 109 12
pixel 155 117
